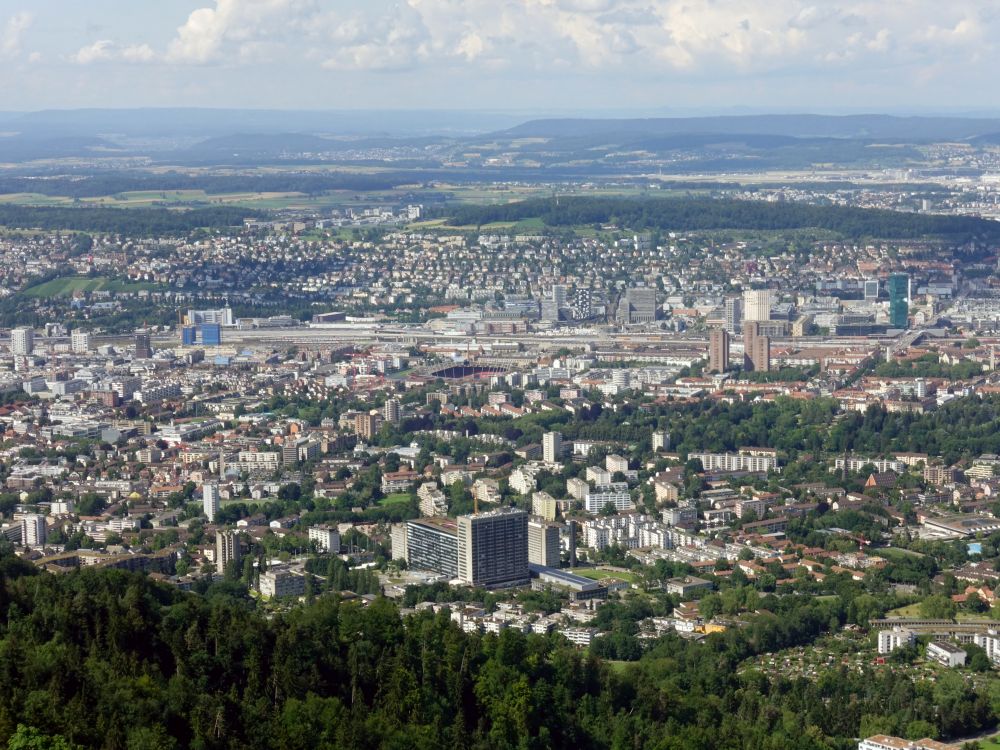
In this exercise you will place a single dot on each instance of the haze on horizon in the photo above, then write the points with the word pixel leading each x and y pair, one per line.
pixel 624 56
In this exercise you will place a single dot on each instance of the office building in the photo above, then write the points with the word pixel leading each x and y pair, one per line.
pixel 734 315
pixel 392 411
pixel 432 544
pixel 211 334
pixel 33 531
pixel 871 290
pixel 22 341
pixel 227 549
pixel 223 317
pixel 639 305
pixel 899 300
pixel 552 447
pixel 143 346
pixel 718 350
pixel 79 342
pixel 543 543
pixel 189 335
pixel 493 548
pixel 756 305
pixel 210 501
pixel 327 538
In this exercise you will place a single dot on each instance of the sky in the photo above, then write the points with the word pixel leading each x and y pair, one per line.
pixel 608 56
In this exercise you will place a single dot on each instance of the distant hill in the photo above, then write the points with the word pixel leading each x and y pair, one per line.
pixel 869 127
pixel 22 148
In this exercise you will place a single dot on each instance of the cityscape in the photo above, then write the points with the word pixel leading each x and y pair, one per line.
pixel 365 382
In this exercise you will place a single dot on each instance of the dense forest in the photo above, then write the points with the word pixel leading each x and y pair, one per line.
pixel 109 659
pixel 689 214
pixel 131 221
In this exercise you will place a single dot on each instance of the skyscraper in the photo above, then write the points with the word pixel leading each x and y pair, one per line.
pixel 734 314
pixel 552 447
pixel 22 341
pixel 756 305
pixel 392 411
pixel 33 530
pixel 899 300
pixel 756 348
pixel 227 549
pixel 718 350
pixel 543 543
pixel 143 347
pixel 210 501
pixel 493 548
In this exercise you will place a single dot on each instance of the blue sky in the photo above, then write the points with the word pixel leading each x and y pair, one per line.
pixel 584 55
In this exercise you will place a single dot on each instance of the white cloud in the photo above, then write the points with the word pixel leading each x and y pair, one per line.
pixel 13 32
pixel 105 50
pixel 686 38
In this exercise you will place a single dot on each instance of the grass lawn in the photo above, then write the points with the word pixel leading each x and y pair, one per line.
pixel 910 610
pixel 69 284
pixel 993 743
pixel 398 498
pixel 596 574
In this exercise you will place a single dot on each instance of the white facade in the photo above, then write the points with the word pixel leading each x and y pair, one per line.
pixel 22 341
pixel 327 538
pixel 890 640
pixel 210 501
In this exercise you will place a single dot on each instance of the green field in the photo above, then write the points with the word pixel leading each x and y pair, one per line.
pixel 69 284
pixel 992 743
pixel 596 574
pixel 398 498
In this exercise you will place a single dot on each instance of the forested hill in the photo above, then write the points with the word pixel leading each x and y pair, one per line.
pixel 133 221
pixel 689 214
pixel 109 659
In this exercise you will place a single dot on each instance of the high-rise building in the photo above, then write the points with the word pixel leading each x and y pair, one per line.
pixel 366 426
pixel 327 538
pixel 582 304
pixel 718 350
pixel 639 305
pixel 493 548
pixel 756 305
pixel 210 501
pixel 899 300
pixel 756 348
pixel 432 544
pixel 871 290
pixel 227 549
pixel 392 410
pixel 543 543
pixel 143 346
pixel 79 342
pixel 22 341
pixel 189 335
pixel 552 447
pixel 734 314
pixel 33 531
pixel 661 440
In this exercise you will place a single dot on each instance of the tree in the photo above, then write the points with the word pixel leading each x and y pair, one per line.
pixel 29 738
